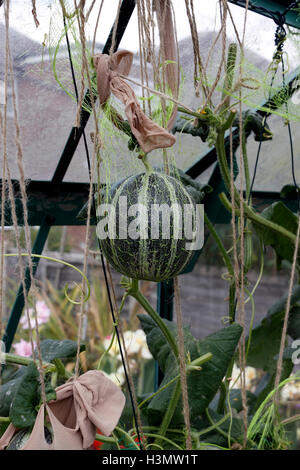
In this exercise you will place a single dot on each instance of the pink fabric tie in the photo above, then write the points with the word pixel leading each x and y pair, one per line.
pixel 91 401
pixel 149 135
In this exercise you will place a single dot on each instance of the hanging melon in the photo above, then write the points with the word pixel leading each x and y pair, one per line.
pixel 147 240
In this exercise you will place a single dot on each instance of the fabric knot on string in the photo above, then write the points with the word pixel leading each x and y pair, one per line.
pixel 82 405
pixel 149 135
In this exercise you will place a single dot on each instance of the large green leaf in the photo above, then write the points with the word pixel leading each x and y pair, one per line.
pixel 283 216
pixel 235 398
pixel 203 385
pixel 234 427
pixel 294 323
pixel 265 341
pixel 59 349
pixel 23 409
pixel 8 391
pixel 266 384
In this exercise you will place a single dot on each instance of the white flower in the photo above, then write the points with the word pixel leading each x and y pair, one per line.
pixel 135 343
pixel 290 392
pixel 117 377
pixel 250 376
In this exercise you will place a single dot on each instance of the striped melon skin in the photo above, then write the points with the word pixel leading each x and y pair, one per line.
pixel 155 259
pixel 21 437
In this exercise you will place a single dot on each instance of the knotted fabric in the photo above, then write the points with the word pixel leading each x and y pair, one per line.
pixel 149 135
pixel 91 401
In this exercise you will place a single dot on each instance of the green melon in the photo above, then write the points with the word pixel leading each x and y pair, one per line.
pixel 21 437
pixel 158 255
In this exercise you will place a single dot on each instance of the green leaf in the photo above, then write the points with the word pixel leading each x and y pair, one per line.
pixel 8 391
pixel 254 122
pixel 50 391
pixel 294 323
pixel 235 399
pixel 235 427
pixel 59 349
pixel 183 126
pixel 202 385
pixel 289 191
pixel 265 341
pixel 23 409
pixel 268 381
pixel 281 215
pixel 3 427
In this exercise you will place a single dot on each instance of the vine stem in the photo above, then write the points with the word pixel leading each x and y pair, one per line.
pixel 219 242
pixel 170 411
pixel 258 219
pixel 5 419
pixel 25 361
pixel 49 258
pixel 133 290
pixel 139 297
pixel 229 266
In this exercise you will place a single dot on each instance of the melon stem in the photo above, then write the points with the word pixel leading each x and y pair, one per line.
pixel 134 292
pixel 148 166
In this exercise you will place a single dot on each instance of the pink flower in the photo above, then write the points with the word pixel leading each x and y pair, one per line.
pixel 43 312
pixel 23 348
pixel 43 315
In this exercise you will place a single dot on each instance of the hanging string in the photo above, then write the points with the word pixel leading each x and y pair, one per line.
pixel 25 210
pixel 198 65
pixel 37 23
pixel 286 318
pixel 128 369
pixel 114 33
pixel 93 206
pixel 96 27
pixel 233 217
pixel 3 204
pixel 81 23
pixel 280 37
pixel 141 51
pixel 223 53
pixel 164 16
pixel 241 290
pixel 182 365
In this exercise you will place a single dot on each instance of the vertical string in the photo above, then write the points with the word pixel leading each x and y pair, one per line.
pixel 96 27
pixel 114 33
pixel 241 291
pixel 141 49
pixel 34 14
pixel 81 24
pixel 296 250
pixel 24 207
pixel 91 200
pixel 126 366
pixel 182 365
pixel 162 11
pixel 286 318
pixel 3 203
pixel 198 65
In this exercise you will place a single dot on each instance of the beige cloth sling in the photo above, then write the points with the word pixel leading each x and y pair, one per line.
pixel 149 135
pixel 91 401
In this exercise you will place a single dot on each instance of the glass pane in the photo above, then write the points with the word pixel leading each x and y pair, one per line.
pixel 47 113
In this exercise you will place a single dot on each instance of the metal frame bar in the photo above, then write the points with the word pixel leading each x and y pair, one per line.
pixel 292 18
